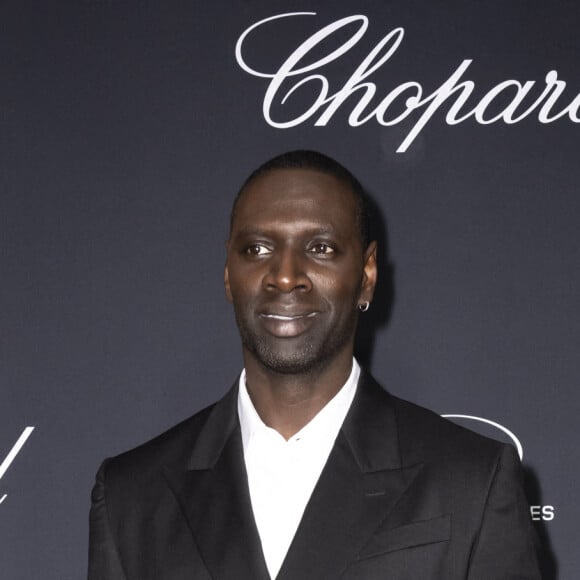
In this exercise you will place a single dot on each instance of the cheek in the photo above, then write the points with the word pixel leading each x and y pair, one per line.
pixel 243 289
pixel 342 297
pixel 341 285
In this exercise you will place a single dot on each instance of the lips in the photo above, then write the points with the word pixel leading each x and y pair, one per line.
pixel 288 317
pixel 288 324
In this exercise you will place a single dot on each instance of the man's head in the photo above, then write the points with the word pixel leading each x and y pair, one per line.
pixel 298 264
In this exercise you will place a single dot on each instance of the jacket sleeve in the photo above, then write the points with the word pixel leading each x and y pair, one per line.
pixel 104 561
pixel 505 548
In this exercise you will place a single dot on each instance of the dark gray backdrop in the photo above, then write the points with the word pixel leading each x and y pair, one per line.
pixel 126 127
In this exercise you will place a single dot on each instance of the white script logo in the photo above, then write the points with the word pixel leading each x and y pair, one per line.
pixel 402 100
pixel 13 453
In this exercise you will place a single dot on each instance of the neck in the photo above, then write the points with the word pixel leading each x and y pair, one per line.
pixel 287 402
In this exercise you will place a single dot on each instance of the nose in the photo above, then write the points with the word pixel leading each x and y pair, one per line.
pixel 287 272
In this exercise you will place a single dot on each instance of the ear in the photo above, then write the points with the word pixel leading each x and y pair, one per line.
pixel 227 284
pixel 369 278
pixel 227 274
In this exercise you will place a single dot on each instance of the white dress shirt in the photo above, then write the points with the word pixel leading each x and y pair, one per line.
pixel 282 474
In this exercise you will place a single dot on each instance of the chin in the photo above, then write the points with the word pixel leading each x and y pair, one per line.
pixel 307 359
pixel 288 363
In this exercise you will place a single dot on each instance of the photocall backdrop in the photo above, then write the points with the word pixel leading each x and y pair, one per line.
pixel 126 128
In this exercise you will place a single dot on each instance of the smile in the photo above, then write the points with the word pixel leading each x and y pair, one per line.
pixel 288 325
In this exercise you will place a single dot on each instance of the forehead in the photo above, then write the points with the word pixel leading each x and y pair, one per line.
pixel 288 197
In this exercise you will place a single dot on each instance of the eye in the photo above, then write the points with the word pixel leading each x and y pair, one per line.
pixel 321 248
pixel 257 250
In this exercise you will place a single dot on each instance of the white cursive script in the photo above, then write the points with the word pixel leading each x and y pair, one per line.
pixel 402 100
pixel 13 453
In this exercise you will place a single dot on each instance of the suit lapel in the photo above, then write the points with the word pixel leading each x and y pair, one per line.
pixel 213 494
pixel 359 486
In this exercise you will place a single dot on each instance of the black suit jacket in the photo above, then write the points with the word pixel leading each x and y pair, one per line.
pixel 405 495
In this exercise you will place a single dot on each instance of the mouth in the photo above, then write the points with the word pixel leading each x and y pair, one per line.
pixel 288 325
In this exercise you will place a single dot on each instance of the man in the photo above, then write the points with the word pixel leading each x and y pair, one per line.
pixel 307 469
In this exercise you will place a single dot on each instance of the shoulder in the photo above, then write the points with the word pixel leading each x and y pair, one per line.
pixel 452 454
pixel 426 428
pixel 170 448
pixel 426 437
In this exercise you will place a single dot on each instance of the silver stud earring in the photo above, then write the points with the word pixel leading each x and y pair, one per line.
pixel 364 306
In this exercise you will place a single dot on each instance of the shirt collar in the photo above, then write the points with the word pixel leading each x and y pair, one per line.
pixel 325 425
